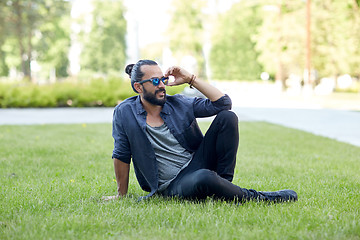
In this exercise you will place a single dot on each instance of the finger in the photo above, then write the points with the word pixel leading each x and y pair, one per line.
pixel 108 198
pixel 170 84
pixel 169 71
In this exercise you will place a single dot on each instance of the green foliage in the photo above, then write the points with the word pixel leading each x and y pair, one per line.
pixel 186 31
pixel 33 30
pixel 104 46
pixel 281 38
pixel 335 27
pixel 336 31
pixel 53 46
pixel 52 178
pixel 26 95
pixel 4 69
pixel 232 56
pixel 95 93
pixel 98 92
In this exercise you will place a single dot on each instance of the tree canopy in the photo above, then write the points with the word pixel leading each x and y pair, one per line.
pixel 186 31
pixel 335 31
pixel 34 30
pixel 248 38
pixel 233 54
pixel 104 46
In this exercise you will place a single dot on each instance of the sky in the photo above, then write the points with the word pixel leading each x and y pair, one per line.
pixel 151 17
pixel 147 22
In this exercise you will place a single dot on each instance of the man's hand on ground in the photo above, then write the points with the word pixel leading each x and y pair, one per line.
pixel 109 198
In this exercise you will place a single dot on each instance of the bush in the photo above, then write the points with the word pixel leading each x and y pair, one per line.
pixel 26 95
pixel 94 93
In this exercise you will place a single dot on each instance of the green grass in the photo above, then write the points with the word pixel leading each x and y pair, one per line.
pixel 52 178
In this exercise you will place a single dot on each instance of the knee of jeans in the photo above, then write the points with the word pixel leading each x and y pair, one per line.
pixel 228 116
pixel 204 177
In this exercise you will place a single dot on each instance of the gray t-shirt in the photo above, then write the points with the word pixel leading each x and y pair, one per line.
pixel 171 157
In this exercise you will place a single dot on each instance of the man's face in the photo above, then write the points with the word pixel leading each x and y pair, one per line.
pixel 155 95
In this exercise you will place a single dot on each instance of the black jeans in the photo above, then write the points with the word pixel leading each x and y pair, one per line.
pixel 211 170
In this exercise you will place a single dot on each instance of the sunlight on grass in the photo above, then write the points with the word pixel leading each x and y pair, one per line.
pixel 53 176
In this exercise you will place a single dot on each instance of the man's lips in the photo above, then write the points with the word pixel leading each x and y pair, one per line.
pixel 160 92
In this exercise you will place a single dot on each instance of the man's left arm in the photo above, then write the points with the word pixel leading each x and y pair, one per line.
pixel 208 90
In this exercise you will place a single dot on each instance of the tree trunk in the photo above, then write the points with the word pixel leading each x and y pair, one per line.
pixel 29 50
pixel 30 21
pixel 24 56
pixel 19 33
pixel 279 76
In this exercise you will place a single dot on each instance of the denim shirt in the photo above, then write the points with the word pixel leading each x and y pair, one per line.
pixel 179 113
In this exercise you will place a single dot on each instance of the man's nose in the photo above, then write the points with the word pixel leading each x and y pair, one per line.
pixel 161 84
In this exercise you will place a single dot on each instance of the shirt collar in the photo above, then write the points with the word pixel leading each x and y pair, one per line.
pixel 139 107
pixel 166 108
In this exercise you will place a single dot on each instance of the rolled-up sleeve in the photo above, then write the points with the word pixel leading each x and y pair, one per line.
pixel 121 143
pixel 207 108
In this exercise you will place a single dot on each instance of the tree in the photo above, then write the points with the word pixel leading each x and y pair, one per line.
pixel 336 37
pixel 24 28
pixel 104 46
pixel 233 54
pixel 281 38
pixel 335 31
pixel 4 69
pixel 186 31
pixel 53 47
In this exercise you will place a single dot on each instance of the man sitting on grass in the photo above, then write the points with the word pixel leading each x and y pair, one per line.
pixel 171 157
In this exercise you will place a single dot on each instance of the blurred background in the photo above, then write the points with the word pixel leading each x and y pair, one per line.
pixel 283 53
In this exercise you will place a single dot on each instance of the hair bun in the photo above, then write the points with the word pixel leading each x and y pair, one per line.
pixel 128 69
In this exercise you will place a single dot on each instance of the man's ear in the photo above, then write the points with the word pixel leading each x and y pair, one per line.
pixel 138 87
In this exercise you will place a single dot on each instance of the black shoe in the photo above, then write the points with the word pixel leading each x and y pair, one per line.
pixel 279 196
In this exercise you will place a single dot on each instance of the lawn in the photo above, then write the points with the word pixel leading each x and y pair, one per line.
pixel 52 178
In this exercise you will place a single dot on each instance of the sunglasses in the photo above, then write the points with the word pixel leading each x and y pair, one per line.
pixel 156 81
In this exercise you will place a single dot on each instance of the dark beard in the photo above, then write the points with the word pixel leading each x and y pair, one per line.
pixel 151 97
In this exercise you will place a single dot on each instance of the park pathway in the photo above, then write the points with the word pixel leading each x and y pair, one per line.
pixel 342 125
